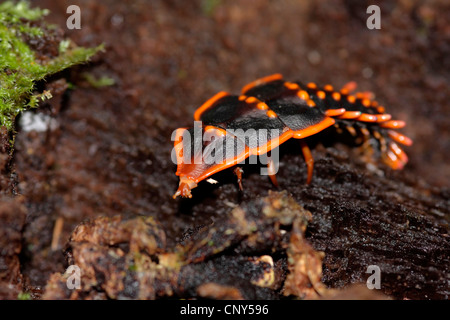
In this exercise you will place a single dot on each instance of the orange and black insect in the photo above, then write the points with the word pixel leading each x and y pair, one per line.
pixel 289 110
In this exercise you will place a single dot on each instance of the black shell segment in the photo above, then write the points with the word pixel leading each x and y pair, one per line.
pixel 232 113
pixel 330 102
pixel 243 120
pixel 267 91
pixel 295 113
pixel 224 110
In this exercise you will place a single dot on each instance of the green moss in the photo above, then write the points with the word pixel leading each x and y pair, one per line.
pixel 209 6
pixel 103 81
pixel 21 10
pixel 19 67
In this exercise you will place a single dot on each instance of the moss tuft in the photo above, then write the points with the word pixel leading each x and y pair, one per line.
pixel 21 66
pixel 24 296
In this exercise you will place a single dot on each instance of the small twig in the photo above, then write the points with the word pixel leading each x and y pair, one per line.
pixel 57 229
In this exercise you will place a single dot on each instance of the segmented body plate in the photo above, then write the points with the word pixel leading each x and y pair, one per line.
pixel 281 110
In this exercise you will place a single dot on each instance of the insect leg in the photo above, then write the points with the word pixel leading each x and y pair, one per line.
pixel 309 160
